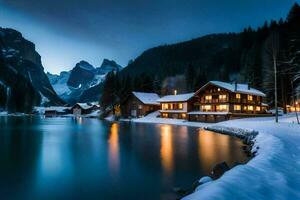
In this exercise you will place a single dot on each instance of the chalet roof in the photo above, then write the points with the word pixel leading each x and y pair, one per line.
pixel 56 108
pixel 147 98
pixel 241 88
pixel 176 98
pixel 83 106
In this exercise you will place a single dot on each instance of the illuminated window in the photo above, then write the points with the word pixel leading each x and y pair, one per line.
pixel 165 106
pixel 222 107
pixel 140 107
pixel 222 97
pixel 250 108
pixel 238 96
pixel 245 107
pixel 250 97
pixel 237 107
pixel 165 114
pixel 206 107
pixel 183 115
pixel 180 106
pixel 257 108
pixel 219 89
pixel 208 97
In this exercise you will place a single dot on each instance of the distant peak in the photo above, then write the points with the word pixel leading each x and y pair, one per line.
pixel 107 61
pixel 85 65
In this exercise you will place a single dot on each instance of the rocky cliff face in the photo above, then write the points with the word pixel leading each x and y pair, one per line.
pixel 22 74
pixel 108 66
pixel 81 74
pixel 83 82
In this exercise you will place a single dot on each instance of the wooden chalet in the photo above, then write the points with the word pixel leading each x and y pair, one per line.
pixel 176 106
pixel 139 104
pixel 219 101
pixel 83 108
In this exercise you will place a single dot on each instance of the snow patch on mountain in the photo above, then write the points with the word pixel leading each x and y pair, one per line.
pixel 72 84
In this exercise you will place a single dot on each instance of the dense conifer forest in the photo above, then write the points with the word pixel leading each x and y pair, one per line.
pixel 246 57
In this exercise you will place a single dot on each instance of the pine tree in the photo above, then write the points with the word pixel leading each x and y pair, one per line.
pixel 109 96
pixel 294 14
pixel 200 80
pixel 189 77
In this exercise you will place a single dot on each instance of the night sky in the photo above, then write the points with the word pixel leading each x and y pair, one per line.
pixel 67 31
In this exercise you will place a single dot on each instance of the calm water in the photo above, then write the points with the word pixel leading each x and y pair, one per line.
pixel 65 158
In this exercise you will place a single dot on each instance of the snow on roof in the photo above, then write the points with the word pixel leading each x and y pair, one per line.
pixel 241 88
pixel 84 105
pixel 176 98
pixel 42 110
pixel 147 98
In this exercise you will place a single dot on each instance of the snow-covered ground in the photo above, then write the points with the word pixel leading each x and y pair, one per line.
pixel 273 174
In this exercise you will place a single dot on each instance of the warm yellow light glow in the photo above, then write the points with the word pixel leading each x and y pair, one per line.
pixel 165 114
pixel 258 108
pixel 114 148
pixel 180 106
pixel 208 150
pixel 222 96
pixel 183 115
pixel 165 106
pixel 206 107
pixel 238 96
pixel 222 107
pixel 175 92
pixel 237 107
pixel 166 149
pixel 250 97
pixel 208 97
pixel 250 108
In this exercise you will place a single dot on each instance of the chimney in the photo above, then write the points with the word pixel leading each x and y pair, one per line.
pixel 235 86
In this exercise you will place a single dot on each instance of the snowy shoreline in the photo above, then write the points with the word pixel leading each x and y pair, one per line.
pixel 272 174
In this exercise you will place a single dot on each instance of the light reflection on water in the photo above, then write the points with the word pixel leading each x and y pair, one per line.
pixel 65 158
pixel 114 160
pixel 166 149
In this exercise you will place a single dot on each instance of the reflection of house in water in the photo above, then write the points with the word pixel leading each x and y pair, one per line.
pixel 113 149
pixel 83 108
pixel 166 149
pixel 53 111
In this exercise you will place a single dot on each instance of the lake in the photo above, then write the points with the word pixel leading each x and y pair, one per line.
pixel 81 158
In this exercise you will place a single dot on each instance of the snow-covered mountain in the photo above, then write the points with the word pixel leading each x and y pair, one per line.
pixel 108 66
pixel 23 83
pixel 73 86
pixel 59 83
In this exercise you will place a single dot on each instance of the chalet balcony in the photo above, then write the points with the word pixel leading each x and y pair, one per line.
pixel 215 101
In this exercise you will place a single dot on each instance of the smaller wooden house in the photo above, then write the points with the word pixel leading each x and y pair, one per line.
pixel 176 106
pixel 83 108
pixel 139 104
